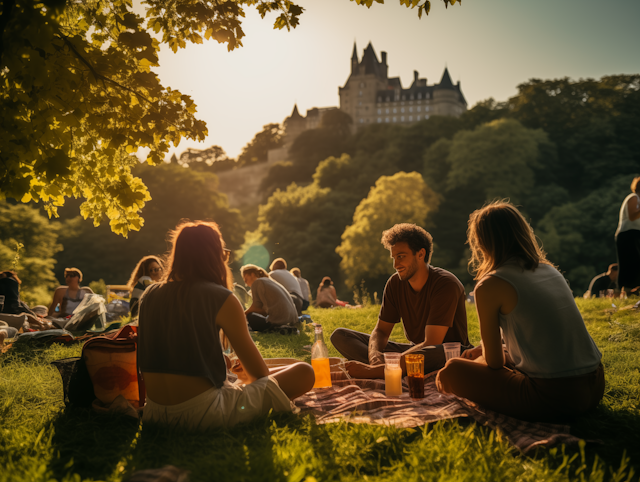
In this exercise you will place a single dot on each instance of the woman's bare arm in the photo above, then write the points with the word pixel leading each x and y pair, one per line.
pixel 489 299
pixel 633 208
pixel 57 298
pixel 232 320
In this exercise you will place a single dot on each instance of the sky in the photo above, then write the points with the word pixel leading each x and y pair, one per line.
pixel 489 46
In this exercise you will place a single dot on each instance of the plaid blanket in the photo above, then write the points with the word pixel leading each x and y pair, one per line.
pixel 364 401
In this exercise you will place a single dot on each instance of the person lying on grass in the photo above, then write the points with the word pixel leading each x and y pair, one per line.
pixel 430 302
pixel 179 353
pixel 551 369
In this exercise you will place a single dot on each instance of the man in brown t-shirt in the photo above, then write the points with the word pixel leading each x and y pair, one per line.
pixel 430 302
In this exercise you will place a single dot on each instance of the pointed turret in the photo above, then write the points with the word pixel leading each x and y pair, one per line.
pixel 295 115
pixel 354 59
pixel 445 82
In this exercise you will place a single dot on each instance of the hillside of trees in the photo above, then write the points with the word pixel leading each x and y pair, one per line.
pixel 564 151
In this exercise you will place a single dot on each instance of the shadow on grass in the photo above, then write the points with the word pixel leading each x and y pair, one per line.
pixel 90 444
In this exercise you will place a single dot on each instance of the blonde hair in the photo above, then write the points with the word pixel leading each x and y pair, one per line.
pixel 73 270
pixel 497 233
pixel 253 269
pixel 296 272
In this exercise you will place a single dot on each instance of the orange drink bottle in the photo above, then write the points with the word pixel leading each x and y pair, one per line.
pixel 320 360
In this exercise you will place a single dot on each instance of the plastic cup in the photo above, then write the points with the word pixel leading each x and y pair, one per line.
pixel 415 375
pixel 392 360
pixel 609 293
pixel 451 350
pixel 392 374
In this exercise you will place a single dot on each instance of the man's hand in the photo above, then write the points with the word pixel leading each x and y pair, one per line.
pixel 472 353
pixel 362 370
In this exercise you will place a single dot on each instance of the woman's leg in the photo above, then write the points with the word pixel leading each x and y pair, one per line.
pixel 295 380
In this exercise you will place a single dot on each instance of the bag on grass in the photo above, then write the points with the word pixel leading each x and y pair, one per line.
pixel 77 388
pixel 112 364
pixel 90 312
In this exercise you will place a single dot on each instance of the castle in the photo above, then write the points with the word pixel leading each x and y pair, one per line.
pixel 370 96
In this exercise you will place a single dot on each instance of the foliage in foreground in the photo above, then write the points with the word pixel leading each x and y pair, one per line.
pixel 41 441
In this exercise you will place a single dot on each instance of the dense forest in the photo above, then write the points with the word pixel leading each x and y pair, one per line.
pixel 564 151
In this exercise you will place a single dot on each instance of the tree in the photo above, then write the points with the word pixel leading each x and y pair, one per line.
pixel 178 193
pixel 24 225
pixel 79 97
pixel 401 198
pixel 270 137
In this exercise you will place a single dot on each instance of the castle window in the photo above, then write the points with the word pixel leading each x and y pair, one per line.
pixel 394 119
pixel 361 121
pixel 410 118
pixel 402 110
pixel 379 111
pixel 402 119
pixel 379 120
pixel 417 117
pixel 360 93
pixel 387 111
pixel 394 111
pixel 419 96
pixel 410 109
pixel 426 109
pixel 419 108
pixel 426 117
pixel 386 119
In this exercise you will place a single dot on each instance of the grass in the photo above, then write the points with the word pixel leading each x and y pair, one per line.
pixel 41 441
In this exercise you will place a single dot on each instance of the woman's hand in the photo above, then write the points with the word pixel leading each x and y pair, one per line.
pixel 241 373
pixel 472 353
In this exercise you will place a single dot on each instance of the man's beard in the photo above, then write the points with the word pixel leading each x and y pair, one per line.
pixel 410 271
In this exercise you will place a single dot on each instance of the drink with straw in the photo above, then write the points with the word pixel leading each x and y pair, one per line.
pixel 392 374
pixel 415 375
pixel 320 360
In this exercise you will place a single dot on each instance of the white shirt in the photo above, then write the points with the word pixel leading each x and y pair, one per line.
pixel 625 224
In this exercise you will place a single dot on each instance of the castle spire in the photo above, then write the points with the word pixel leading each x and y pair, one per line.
pixel 445 82
pixel 354 57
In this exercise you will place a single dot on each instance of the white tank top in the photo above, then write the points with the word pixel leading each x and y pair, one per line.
pixel 545 333
pixel 625 224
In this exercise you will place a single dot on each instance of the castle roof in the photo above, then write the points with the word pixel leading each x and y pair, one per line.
pixel 445 81
pixel 295 115
pixel 370 62
pixel 355 52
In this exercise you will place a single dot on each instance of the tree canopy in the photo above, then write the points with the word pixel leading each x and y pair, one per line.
pixel 79 98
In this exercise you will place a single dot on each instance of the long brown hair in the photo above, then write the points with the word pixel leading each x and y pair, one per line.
pixel 497 233
pixel 197 253
pixel 142 269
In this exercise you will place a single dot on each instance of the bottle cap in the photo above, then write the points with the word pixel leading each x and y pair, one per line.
pixel 318 328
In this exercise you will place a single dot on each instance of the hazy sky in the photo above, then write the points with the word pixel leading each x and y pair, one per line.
pixel 490 46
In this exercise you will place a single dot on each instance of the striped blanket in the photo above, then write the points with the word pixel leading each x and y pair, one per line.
pixel 364 401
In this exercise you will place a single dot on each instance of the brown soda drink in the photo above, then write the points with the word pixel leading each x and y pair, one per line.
pixel 416 386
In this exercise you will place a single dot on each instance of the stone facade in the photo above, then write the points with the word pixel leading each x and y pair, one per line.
pixel 370 96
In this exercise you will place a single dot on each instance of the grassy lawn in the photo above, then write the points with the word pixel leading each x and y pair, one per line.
pixel 40 441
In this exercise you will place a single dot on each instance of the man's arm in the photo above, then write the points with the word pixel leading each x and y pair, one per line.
pixel 378 342
pixel 254 309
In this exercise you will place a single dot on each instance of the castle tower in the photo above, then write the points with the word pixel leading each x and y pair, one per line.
pixel 294 125
pixel 447 97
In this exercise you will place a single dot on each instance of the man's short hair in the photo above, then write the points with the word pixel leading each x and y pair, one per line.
pixel 73 271
pixel 278 263
pixel 415 236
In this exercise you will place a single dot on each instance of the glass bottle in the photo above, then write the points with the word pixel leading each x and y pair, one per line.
pixel 320 360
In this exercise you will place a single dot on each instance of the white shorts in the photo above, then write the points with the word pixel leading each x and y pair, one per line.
pixel 222 407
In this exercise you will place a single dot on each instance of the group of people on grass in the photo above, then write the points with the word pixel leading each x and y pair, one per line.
pixel 536 360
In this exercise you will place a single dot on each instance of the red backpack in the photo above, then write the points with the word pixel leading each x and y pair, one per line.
pixel 112 364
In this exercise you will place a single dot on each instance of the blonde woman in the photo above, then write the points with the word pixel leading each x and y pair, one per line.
pixel 551 368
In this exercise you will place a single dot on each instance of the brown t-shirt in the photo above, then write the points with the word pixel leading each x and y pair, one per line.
pixel 441 301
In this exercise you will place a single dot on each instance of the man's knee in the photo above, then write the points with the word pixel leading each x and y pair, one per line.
pixel 339 336
pixel 453 372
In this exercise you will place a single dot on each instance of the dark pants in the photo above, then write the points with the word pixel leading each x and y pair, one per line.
pixel 628 246
pixel 518 395
pixel 258 322
pixel 305 305
pixel 354 345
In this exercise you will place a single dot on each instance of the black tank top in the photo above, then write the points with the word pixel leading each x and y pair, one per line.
pixel 177 330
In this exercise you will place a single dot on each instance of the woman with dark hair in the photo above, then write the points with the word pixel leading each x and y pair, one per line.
pixel 326 296
pixel 13 311
pixel 551 369
pixel 147 271
pixel 180 356
pixel 628 241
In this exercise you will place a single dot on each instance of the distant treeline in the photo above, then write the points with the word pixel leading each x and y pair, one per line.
pixel 564 151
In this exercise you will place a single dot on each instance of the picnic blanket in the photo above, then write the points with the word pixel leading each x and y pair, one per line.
pixel 364 401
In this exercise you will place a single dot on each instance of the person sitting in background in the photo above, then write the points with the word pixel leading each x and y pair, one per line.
pixel 604 281
pixel 147 271
pixel 554 368
pixel 13 311
pixel 326 296
pixel 272 305
pixel 179 351
pixel 70 295
pixel 280 274
pixel 305 289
